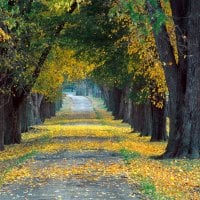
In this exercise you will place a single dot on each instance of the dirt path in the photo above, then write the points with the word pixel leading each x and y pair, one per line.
pixel 86 183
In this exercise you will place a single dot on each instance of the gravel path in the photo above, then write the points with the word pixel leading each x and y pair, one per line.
pixel 74 187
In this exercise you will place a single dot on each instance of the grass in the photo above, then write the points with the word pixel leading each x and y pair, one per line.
pixel 128 155
pixel 149 189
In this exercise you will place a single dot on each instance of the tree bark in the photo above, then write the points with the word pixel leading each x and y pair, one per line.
pixel 24 116
pixel 188 141
pixel 184 99
pixel 1 122
pixel 127 115
pixel 158 124
pixel 123 105
pixel 138 118
pixel 47 110
pixel 8 108
pixel 12 120
pixel 16 126
pixel 145 120
pixel 36 100
pixel 105 95
pixel 114 101
pixel 52 109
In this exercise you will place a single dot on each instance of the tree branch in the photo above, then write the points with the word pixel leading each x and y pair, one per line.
pixel 165 49
pixel 47 50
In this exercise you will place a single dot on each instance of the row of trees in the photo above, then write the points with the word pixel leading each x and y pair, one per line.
pixel 29 82
pixel 146 53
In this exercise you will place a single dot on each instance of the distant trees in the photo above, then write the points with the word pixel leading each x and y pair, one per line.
pixel 128 68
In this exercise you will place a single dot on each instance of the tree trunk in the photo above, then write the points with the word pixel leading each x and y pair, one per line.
pixel 52 109
pixel 123 105
pixel 1 122
pixel 127 115
pixel 187 143
pixel 12 120
pixel 45 110
pixel 105 96
pixel 42 110
pixel 8 118
pixel 158 124
pixel 146 118
pixel 141 119
pixel 182 79
pixel 16 126
pixel 138 117
pixel 115 99
pixel 166 54
pixel 36 100
pixel 128 111
pixel 24 116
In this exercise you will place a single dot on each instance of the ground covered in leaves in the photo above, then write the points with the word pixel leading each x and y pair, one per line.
pixel 88 155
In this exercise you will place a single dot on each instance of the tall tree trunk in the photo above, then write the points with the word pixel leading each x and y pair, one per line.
pixel 138 117
pixel 188 140
pixel 29 112
pixel 24 119
pixel 8 118
pixel 127 106
pixel 45 110
pixel 105 95
pixel 115 99
pixel 158 124
pixel 16 126
pixel 36 100
pixel 12 120
pixel 122 106
pixel 52 109
pixel 1 122
pixel 146 120
pixel 184 140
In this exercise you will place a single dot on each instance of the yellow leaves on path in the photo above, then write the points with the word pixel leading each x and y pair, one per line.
pixel 17 173
pixel 90 170
pixel 14 152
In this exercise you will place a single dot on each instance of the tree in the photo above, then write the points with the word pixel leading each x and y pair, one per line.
pixel 1 123
pixel 148 86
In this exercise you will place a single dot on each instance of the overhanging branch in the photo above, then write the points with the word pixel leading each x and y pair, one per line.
pixel 47 50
